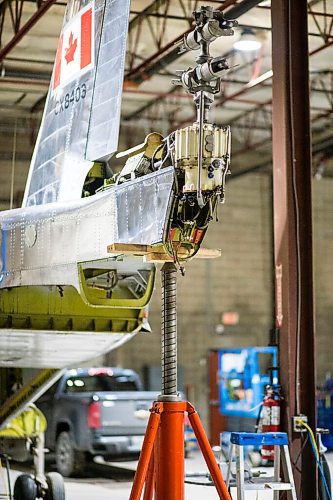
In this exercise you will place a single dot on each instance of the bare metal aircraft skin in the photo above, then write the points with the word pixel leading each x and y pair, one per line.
pixel 73 283
pixel 43 242
pixel 82 113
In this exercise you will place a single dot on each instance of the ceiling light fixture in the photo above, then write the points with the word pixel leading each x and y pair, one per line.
pixel 248 41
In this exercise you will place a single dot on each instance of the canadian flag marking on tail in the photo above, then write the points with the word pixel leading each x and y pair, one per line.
pixel 75 53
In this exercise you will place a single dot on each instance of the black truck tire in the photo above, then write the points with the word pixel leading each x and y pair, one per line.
pixel 70 462
pixel 25 488
pixel 56 487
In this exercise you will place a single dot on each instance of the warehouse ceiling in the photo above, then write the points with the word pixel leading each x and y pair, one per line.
pixel 29 35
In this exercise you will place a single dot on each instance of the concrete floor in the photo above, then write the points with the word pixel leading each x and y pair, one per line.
pixel 113 482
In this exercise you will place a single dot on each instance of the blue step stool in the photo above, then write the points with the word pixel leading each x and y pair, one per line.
pixel 281 453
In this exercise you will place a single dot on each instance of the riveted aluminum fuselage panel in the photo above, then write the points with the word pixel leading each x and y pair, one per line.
pixel 42 245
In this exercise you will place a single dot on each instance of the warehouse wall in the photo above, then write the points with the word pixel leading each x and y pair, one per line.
pixel 323 270
pixel 240 281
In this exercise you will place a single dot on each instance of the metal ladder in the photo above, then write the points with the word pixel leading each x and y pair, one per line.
pixel 281 452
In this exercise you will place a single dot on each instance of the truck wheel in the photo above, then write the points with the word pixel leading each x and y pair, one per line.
pixel 69 460
pixel 56 487
pixel 25 488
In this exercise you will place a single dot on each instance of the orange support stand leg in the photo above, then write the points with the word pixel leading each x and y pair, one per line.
pixel 162 469
pixel 146 453
pixel 170 452
pixel 207 453
pixel 150 480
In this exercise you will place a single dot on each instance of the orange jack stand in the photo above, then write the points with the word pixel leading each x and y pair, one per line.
pixel 161 464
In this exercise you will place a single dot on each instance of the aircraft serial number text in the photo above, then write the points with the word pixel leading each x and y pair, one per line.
pixel 70 98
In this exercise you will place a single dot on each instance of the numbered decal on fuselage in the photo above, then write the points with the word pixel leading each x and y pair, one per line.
pixel 68 100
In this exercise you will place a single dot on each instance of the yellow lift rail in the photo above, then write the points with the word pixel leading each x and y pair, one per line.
pixel 31 391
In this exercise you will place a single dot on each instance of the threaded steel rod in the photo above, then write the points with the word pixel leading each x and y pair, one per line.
pixel 169 331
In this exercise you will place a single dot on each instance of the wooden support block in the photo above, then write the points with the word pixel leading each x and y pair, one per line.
pixel 157 253
pixel 208 253
pixel 127 248
pixel 157 257
pixel 203 253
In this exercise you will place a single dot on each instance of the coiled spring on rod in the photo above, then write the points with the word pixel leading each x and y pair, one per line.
pixel 169 330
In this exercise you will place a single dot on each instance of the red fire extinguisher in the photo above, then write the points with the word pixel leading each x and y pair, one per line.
pixel 270 419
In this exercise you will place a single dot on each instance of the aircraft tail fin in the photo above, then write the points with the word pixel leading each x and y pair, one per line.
pixel 80 124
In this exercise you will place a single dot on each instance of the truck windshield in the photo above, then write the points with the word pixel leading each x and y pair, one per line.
pixel 100 383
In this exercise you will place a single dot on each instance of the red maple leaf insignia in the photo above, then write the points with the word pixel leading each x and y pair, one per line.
pixel 70 50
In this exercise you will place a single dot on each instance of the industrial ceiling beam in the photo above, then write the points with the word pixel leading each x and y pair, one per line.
pixel 252 127
pixel 159 60
pixel 170 52
pixel 292 174
pixel 142 25
pixel 262 79
pixel 23 30
pixel 239 9
pixel 150 10
pixel 265 77
pixel 254 27
pixel 322 148
pixel 261 115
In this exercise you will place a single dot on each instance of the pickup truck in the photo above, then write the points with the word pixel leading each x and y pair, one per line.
pixel 94 411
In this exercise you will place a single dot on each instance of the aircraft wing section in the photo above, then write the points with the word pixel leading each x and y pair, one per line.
pixel 81 117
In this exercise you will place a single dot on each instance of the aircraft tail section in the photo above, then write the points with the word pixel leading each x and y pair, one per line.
pixel 80 123
pixel 105 111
